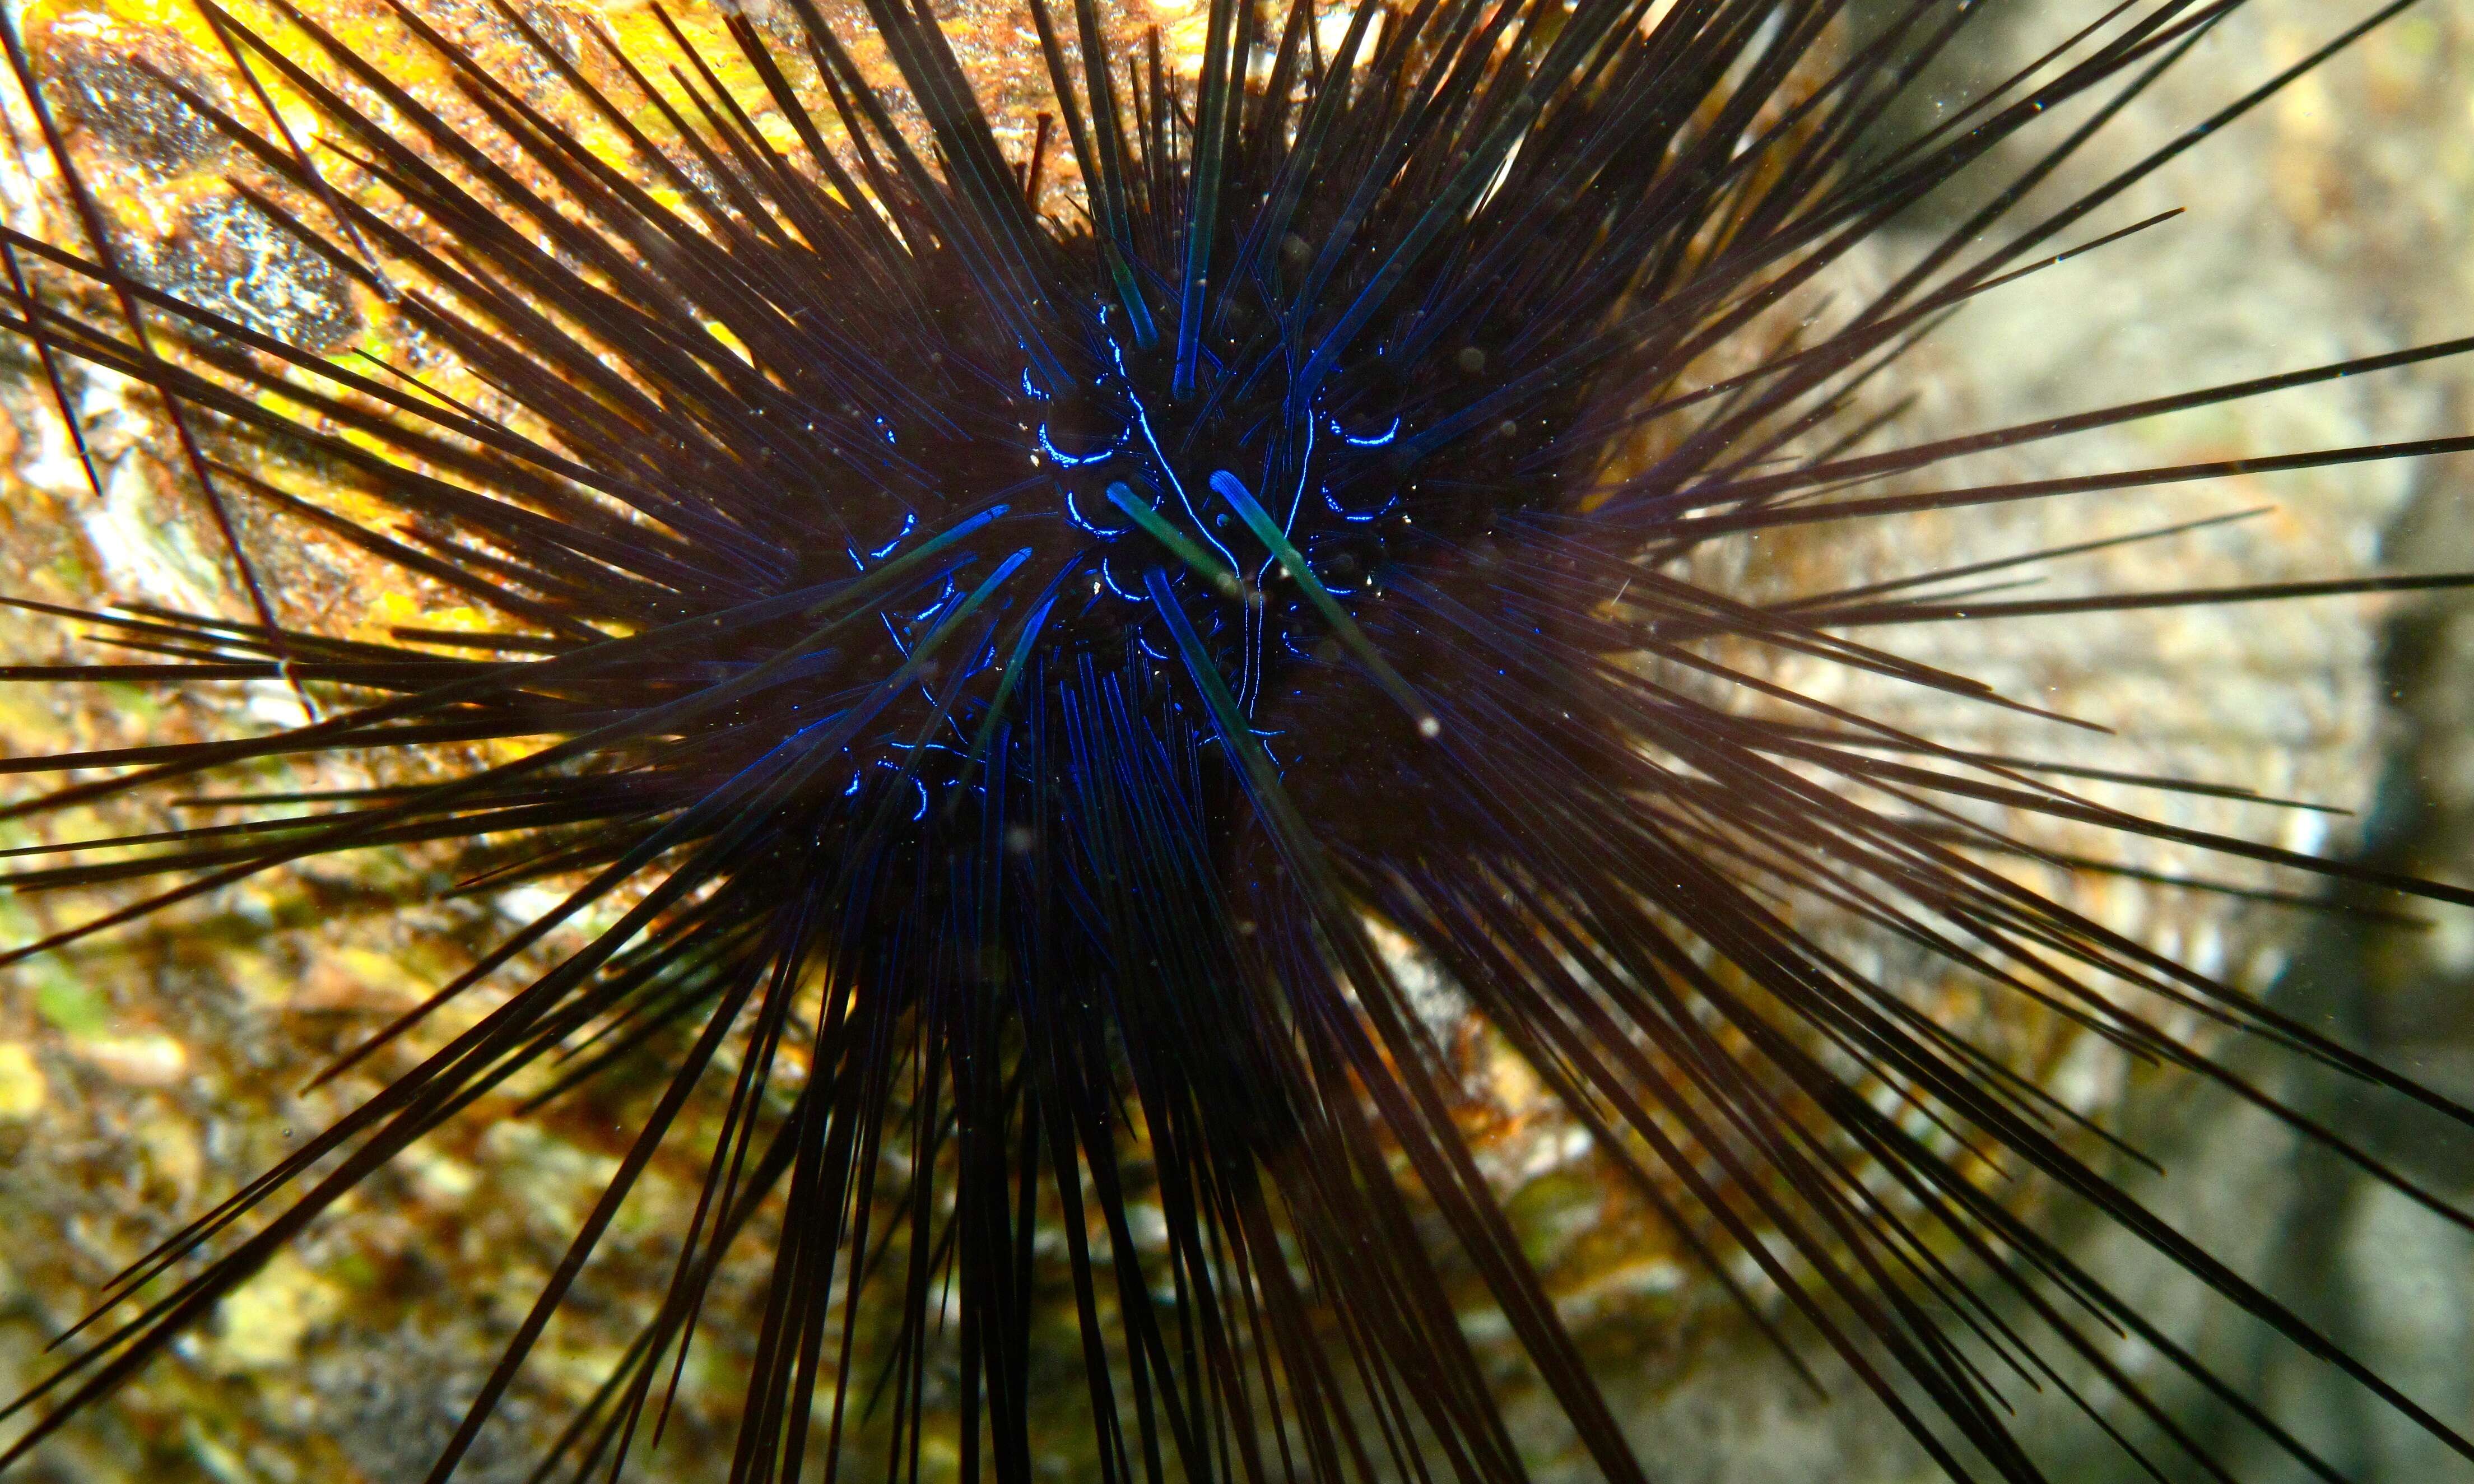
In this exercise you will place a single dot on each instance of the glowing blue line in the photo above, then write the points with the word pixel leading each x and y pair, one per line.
pixel 1257 623
pixel 910 522
pixel 1143 421
pixel 1077 460
pixel 1074 513
pixel 1346 514
pixel 1297 501
pixel 942 598
pixel 1375 441
pixel 1031 388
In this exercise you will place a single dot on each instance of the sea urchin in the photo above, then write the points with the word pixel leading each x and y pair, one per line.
pixel 1050 692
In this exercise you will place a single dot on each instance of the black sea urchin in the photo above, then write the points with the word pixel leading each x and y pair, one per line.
pixel 1050 710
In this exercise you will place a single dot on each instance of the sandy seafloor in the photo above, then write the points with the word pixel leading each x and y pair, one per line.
pixel 2338 220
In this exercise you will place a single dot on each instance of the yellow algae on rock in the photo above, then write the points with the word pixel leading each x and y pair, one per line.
pixel 150 1060
pixel 261 1326
pixel 22 1088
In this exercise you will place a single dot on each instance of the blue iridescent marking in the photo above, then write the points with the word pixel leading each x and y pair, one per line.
pixel 1306 471
pixel 1360 517
pixel 1074 513
pixel 1371 441
pixel 1110 579
pixel 1139 435
pixel 910 523
pixel 1077 460
pixel 1160 457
